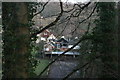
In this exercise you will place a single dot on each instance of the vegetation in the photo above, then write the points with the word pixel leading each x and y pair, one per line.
pixel 40 66
pixel 102 43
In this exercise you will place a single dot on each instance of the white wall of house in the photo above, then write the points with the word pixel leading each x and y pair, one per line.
pixel 76 47
pixel 51 37
pixel 43 39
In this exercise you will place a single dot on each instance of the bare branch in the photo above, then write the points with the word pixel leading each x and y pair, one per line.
pixel 79 10
pixel 64 27
pixel 85 19
pixel 52 23
pixel 70 9
pixel 41 9
pixel 70 16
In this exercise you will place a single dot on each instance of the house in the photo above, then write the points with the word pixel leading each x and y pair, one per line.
pixel 54 46
pixel 71 43
pixel 57 47
pixel 51 38
pixel 48 47
pixel 62 44
pixel 67 53
pixel 45 34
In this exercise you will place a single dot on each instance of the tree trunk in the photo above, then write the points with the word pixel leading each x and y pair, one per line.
pixel 16 38
pixel 118 34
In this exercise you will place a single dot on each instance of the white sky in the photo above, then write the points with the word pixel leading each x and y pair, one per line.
pixel 72 1
pixel 75 1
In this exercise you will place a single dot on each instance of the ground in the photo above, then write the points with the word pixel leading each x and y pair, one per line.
pixel 59 69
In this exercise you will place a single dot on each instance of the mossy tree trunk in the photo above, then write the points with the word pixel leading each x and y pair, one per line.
pixel 16 39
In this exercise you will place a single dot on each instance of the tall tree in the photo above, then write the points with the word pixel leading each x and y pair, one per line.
pixel 118 31
pixel 103 42
pixel 16 39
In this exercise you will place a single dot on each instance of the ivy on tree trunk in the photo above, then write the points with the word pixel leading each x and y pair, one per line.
pixel 16 39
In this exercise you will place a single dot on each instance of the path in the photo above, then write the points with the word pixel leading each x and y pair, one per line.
pixel 61 68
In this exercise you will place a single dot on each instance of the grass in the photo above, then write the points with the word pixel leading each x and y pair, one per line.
pixel 43 63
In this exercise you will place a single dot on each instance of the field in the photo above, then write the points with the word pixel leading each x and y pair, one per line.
pixel 43 63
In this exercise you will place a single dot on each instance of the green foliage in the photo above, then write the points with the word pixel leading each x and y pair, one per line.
pixel 32 7
pixel 103 35
pixel 101 42
pixel 34 51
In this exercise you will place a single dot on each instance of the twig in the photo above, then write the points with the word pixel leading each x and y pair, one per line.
pixel 64 28
pixel 52 23
pixel 41 9
pixel 71 15
pixel 85 19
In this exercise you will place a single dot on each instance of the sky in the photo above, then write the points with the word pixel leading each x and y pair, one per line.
pixel 75 1
pixel 72 1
